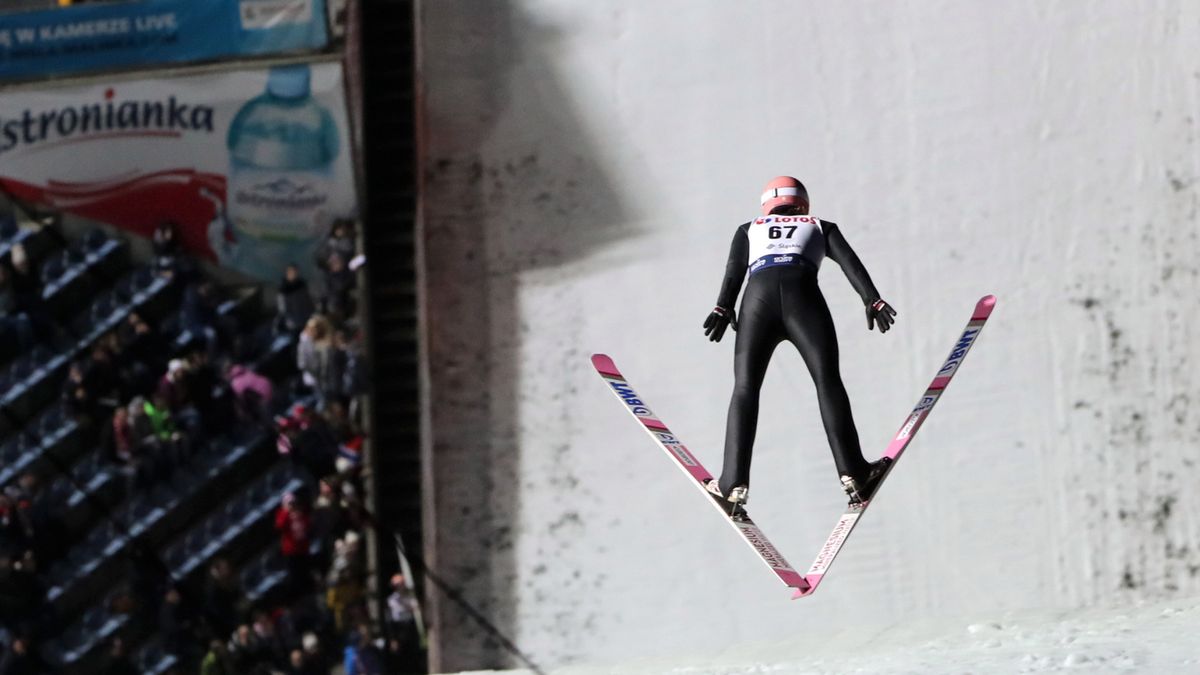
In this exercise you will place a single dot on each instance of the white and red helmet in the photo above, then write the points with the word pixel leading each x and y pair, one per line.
pixel 783 190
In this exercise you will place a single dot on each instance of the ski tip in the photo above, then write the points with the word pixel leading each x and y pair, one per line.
pixel 984 307
pixel 604 363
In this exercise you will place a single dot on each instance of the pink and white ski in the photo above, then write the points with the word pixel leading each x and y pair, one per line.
pixel 803 584
pixel 687 462
pixel 846 524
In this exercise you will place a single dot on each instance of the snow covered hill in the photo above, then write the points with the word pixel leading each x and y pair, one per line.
pixel 1146 638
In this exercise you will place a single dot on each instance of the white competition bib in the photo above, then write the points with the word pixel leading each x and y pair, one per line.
pixel 780 240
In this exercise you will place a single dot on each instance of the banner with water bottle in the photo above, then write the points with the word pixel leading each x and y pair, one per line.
pixel 253 166
pixel 111 35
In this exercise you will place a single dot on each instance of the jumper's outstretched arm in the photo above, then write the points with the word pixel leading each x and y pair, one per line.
pixel 838 249
pixel 735 273
pixel 735 269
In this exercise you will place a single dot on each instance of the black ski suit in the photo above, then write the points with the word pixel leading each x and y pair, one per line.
pixel 782 302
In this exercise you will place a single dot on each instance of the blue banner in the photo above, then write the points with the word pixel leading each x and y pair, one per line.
pixel 108 36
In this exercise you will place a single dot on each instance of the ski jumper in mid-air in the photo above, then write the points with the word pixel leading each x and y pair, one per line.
pixel 782 251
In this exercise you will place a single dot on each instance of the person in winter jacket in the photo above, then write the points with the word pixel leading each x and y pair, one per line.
pixel 293 303
pixel 316 358
pixel 293 521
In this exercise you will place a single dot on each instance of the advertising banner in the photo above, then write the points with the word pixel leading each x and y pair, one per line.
pixel 252 165
pixel 113 35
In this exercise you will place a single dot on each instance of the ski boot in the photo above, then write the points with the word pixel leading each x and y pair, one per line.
pixel 860 491
pixel 733 504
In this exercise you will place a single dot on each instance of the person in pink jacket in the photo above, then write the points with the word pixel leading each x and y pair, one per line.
pixel 252 391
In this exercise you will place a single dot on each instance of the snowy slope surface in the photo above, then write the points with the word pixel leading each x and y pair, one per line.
pixel 1149 638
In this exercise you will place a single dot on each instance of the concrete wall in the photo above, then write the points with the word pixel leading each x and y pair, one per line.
pixel 585 165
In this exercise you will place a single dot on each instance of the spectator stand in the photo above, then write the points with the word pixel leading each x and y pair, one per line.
pixel 131 532
pixel 94 525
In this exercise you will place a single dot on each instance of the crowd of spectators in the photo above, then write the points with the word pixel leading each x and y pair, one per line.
pixel 152 399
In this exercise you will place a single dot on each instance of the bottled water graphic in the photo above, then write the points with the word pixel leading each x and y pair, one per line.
pixel 221 238
pixel 282 147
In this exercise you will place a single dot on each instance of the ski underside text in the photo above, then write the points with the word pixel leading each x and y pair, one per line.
pixel 802 584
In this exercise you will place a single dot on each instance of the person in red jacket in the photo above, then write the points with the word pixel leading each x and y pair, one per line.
pixel 293 520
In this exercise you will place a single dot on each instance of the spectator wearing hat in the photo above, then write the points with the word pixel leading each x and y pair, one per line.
pixel 349 457
pixel 293 521
pixel 311 441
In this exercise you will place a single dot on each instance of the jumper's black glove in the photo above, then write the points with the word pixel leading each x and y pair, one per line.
pixel 718 319
pixel 880 312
